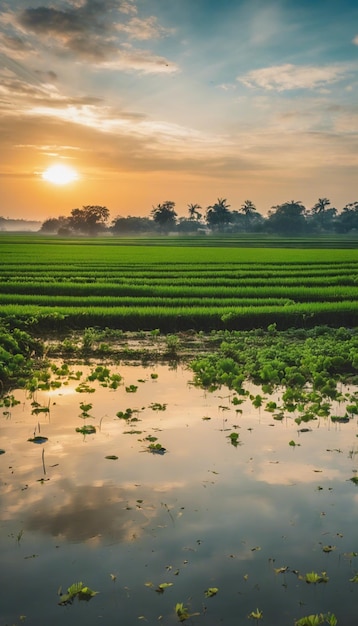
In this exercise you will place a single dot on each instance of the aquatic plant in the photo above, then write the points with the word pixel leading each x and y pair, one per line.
pixel 183 612
pixel 211 591
pixel 156 448
pixel 234 439
pixel 314 578
pixel 87 429
pixel 77 590
pixel 257 615
pixel 316 620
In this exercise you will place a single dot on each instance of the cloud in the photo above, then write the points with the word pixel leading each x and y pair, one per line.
pixel 144 61
pixel 89 17
pixel 288 76
pixel 142 29
pixel 96 32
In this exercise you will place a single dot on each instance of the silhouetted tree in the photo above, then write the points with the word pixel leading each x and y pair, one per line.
pixel 248 208
pixel 218 216
pixel 188 226
pixel 321 218
pixel 54 224
pixel 321 205
pixel 287 218
pixel 164 216
pixel 348 219
pixel 194 213
pixel 90 220
pixel 131 225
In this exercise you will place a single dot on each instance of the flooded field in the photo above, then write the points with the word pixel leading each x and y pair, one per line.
pixel 179 505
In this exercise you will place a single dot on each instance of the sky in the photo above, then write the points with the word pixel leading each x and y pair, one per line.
pixel 182 100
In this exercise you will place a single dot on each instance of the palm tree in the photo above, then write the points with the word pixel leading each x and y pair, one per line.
pixel 321 205
pixel 218 215
pixel 248 208
pixel 193 210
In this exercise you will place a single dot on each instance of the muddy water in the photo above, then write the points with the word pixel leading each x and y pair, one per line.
pixel 203 514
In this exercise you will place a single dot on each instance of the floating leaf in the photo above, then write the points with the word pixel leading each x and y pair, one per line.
pixel 182 612
pixel 38 439
pixel 2 451
pixel 313 578
pixel 256 614
pixel 131 388
pixel 156 448
pixel 156 406
pixel 280 570
pixel 85 407
pixel 87 429
pixel 211 591
pixel 234 439
pixel 78 590
pixel 112 457
pixel 163 586
pixel 328 548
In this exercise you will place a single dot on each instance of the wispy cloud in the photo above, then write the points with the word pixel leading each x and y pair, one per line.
pixel 288 76
pixel 143 29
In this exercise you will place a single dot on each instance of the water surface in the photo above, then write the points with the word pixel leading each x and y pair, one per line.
pixel 204 514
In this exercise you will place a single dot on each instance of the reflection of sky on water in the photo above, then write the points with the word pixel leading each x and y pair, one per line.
pixel 204 514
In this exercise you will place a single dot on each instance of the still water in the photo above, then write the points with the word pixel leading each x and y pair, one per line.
pixel 203 513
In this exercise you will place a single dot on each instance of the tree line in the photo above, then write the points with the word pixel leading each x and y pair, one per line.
pixel 289 218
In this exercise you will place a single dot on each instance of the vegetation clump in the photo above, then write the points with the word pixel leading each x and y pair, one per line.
pixel 19 352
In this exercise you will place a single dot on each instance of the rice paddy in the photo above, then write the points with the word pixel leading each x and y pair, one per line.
pixel 128 285
pixel 242 507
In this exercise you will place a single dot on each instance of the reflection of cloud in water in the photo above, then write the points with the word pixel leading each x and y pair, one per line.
pixel 88 512
pixel 291 473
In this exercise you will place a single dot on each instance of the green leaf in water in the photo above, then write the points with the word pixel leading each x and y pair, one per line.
pixel 234 439
pixel 211 591
pixel 163 586
pixel 87 429
pixel 313 578
pixel 183 612
pixel 77 590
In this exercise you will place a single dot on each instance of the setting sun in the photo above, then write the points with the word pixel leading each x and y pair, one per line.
pixel 60 174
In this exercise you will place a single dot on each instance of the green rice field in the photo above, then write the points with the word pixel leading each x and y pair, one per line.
pixel 177 284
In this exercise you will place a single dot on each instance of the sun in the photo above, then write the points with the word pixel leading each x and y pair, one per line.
pixel 60 174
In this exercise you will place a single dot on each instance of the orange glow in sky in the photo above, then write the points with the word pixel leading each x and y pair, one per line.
pixel 127 104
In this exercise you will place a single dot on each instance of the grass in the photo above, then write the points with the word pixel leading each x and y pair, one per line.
pixel 52 283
